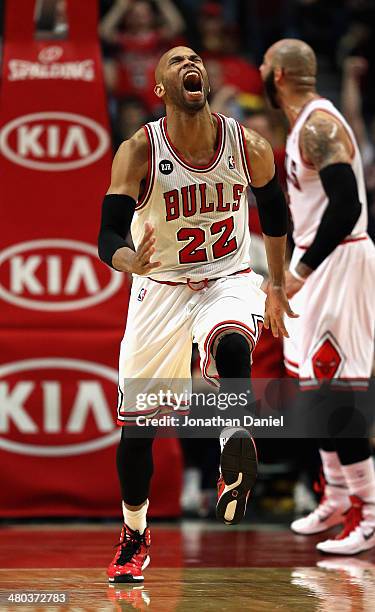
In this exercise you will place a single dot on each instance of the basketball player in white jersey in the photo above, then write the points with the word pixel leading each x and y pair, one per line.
pixel 330 283
pixel 180 183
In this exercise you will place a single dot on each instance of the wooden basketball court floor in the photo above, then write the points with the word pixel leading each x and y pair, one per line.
pixel 195 566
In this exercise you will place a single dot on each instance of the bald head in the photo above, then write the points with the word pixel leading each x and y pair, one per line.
pixel 297 60
pixel 167 56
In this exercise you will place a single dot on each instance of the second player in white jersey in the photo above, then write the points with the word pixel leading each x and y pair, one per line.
pixel 200 213
pixel 307 198
pixel 329 282
pixel 334 337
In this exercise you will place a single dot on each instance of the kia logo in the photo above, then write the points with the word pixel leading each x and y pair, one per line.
pixel 55 275
pixel 53 141
pixel 40 383
pixel 50 54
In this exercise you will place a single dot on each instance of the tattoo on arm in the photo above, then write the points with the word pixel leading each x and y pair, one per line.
pixel 324 142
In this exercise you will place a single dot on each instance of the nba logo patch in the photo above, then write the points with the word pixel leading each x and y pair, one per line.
pixel 142 294
pixel 231 163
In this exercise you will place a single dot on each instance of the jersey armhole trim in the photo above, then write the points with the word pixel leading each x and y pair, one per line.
pixel 244 154
pixel 150 169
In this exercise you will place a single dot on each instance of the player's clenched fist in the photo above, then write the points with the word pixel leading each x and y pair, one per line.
pixel 139 261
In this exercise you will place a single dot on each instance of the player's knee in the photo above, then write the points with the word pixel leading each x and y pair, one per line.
pixel 233 356
pixel 133 449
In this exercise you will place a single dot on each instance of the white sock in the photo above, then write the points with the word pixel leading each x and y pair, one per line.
pixel 136 519
pixel 332 468
pixel 360 479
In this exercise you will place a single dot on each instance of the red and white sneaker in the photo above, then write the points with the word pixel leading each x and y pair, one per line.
pixel 329 513
pixel 132 556
pixel 238 472
pixel 358 533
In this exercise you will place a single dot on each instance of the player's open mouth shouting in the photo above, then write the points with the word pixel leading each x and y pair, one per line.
pixel 192 84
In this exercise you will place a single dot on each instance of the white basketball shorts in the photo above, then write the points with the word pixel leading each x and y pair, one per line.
pixel 334 335
pixel 163 322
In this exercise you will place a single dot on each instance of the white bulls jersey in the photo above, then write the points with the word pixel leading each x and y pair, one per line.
pixel 200 213
pixel 333 338
pixel 308 199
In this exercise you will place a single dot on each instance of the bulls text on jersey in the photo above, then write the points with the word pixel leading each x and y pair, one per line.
pixel 191 199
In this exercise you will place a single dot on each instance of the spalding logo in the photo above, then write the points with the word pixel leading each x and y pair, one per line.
pixel 53 141
pixel 55 275
pixel 38 388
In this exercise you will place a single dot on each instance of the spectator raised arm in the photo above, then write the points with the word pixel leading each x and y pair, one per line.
pixel 351 97
pixel 172 21
pixel 109 24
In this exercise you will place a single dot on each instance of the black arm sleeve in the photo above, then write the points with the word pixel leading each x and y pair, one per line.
pixel 272 208
pixel 117 214
pixel 340 216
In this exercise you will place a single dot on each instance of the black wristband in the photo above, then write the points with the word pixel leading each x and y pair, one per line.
pixel 117 215
pixel 340 216
pixel 272 208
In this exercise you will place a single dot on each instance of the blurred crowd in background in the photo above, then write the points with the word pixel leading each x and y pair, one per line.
pixel 231 36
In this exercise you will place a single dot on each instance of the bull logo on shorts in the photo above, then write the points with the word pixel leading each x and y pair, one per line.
pixel 326 360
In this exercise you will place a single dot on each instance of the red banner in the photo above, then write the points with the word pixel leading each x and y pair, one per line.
pixel 62 311
pixel 58 431
pixel 56 155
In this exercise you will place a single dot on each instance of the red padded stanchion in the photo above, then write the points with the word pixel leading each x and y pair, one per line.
pixel 62 311
pixel 58 431
pixel 56 156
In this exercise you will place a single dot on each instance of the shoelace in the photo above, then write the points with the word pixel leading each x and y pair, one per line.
pixel 130 546
pixel 353 517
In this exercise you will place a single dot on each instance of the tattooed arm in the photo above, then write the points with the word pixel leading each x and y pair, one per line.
pixel 325 141
pixel 326 145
